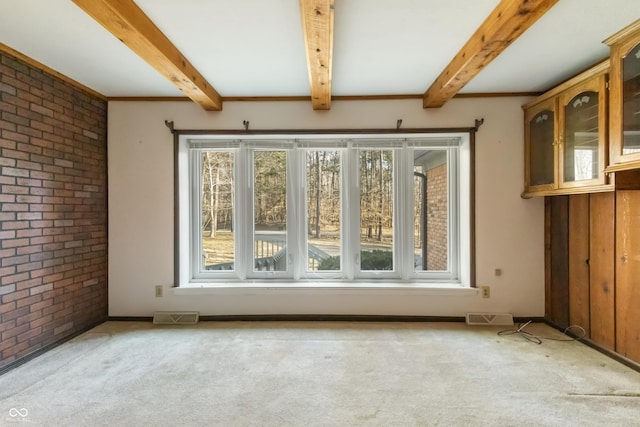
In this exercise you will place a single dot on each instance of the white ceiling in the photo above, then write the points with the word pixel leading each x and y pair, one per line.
pixel 255 47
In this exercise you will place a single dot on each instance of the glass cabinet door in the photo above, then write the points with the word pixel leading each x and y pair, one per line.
pixel 624 99
pixel 541 147
pixel 631 102
pixel 581 137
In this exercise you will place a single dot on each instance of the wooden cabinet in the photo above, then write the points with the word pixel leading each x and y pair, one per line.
pixel 625 98
pixel 566 137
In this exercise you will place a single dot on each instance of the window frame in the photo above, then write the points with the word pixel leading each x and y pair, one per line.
pixel 461 267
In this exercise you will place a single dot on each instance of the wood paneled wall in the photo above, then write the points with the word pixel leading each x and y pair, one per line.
pixel 593 267
pixel 628 274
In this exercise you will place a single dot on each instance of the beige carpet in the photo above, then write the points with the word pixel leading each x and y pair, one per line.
pixel 318 374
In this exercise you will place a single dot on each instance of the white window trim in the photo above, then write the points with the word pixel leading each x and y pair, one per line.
pixel 459 266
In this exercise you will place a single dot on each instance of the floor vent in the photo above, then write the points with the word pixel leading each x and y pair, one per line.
pixel 175 317
pixel 489 319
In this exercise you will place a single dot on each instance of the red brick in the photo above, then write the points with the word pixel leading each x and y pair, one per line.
pixel 40 208
pixel 9 171
pixel 41 256
pixel 42 110
pixel 14 243
pixel 8 198
pixel 27 250
pixel 29 131
pixel 15 82
pixel 15 225
pixel 14 136
pixel 31 333
pixel 41 320
pixel 28 301
pixel 30 266
pixel 29 182
pixel 29 215
pixel 40 191
pixel 40 289
pixel 12 118
pixel 29 165
pixel 9 261
pixel 15 331
pixel 8 180
pixel 13 189
pixel 5 344
pixel 7 307
pixel 7 252
pixel 7 289
pixel 28 199
pixel 41 305
pixel 14 314
pixel 9 234
pixel 41 272
pixel 42 240
pixel 41 175
pixel 28 284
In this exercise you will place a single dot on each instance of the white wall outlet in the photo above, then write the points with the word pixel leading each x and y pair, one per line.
pixel 485 291
pixel 159 291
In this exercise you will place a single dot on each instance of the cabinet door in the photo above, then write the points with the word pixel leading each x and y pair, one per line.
pixel 582 134
pixel 540 147
pixel 625 99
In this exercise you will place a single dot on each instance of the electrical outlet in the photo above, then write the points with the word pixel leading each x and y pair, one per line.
pixel 159 290
pixel 486 291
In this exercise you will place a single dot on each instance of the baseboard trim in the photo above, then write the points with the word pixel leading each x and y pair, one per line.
pixel 304 318
pixel 607 352
pixel 130 319
pixel 319 318
pixel 46 348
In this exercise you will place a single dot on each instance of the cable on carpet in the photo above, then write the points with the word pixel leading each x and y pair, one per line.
pixel 538 338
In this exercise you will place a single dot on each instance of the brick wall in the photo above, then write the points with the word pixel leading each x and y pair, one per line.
pixel 437 244
pixel 53 225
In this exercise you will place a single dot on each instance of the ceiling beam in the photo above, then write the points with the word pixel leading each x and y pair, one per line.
pixel 506 23
pixel 125 20
pixel 317 26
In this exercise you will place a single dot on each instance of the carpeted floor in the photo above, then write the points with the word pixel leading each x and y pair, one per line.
pixel 318 374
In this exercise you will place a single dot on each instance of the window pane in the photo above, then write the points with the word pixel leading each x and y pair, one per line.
pixel 270 211
pixel 217 198
pixel 376 210
pixel 323 210
pixel 431 212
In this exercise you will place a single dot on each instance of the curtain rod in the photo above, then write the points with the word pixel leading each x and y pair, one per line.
pixel 246 131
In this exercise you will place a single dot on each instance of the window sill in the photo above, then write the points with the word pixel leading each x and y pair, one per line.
pixel 251 287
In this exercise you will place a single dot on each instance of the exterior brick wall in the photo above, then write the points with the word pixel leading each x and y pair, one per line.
pixel 437 244
pixel 53 223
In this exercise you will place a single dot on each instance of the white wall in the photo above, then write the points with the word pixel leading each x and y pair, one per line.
pixel 509 229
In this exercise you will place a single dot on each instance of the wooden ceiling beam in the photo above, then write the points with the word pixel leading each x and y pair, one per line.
pixel 505 24
pixel 317 26
pixel 125 20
